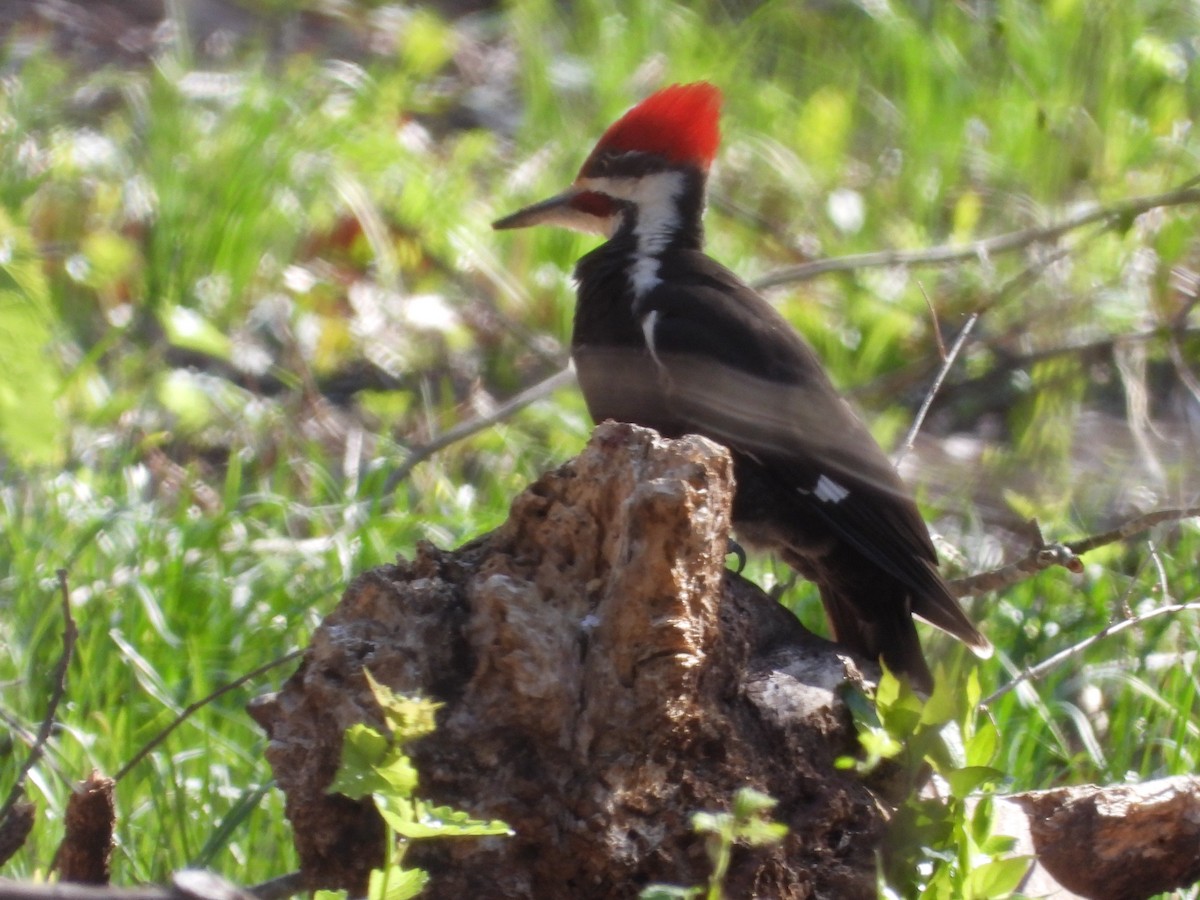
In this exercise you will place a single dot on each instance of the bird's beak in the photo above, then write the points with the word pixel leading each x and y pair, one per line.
pixel 548 212
pixel 569 209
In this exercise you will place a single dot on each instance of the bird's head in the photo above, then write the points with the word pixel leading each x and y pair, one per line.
pixel 647 171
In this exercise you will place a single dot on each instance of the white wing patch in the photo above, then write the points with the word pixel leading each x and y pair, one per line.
pixel 648 323
pixel 829 490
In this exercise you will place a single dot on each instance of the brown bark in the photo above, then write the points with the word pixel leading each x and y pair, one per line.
pixel 604 677
pixel 15 827
pixel 86 849
pixel 1117 842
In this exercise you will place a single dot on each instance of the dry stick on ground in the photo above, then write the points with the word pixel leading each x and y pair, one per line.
pixel 465 429
pixel 70 634
pixel 1001 243
pixel 187 884
pixel 192 708
pixel 1046 665
pixel 1043 556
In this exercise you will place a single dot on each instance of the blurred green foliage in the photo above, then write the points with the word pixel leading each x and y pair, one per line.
pixel 237 293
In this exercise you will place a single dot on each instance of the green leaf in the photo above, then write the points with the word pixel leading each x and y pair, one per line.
pixel 370 764
pixel 997 878
pixel 749 802
pixel 984 744
pixel 710 823
pixel 417 819
pixel 943 705
pixel 363 746
pixel 879 744
pixel 758 833
pixel 997 845
pixel 395 883
pixel 974 691
pixel 408 718
pixel 899 707
pixel 965 780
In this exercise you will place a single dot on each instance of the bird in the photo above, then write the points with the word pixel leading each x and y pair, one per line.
pixel 666 337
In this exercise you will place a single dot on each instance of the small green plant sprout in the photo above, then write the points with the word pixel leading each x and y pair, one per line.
pixel 939 844
pixel 375 763
pixel 747 822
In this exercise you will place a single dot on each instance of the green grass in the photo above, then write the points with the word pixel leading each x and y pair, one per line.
pixel 316 214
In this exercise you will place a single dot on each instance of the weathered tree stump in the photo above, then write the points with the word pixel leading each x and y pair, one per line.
pixel 604 677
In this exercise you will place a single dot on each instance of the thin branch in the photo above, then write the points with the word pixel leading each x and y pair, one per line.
pixel 192 708
pixel 70 635
pixel 466 429
pixel 1043 556
pixel 1164 586
pixel 1057 659
pixel 947 364
pixel 897 382
pixel 1134 526
pixel 1001 243
pixel 1099 345
pixel 279 888
pixel 937 326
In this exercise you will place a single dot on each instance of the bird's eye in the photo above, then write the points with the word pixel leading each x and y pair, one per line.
pixel 602 165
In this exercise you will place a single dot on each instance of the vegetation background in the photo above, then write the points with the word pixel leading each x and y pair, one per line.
pixel 248 286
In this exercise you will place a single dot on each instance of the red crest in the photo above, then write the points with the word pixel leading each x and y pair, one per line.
pixel 679 123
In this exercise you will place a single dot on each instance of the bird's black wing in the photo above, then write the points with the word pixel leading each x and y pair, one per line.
pixel 736 371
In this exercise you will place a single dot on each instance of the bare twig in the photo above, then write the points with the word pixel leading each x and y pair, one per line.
pixel 1085 348
pixel 1043 556
pixel 1057 659
pixel 947 363
pixel 463 430
pixel 1002 243
pixel 1164 586
pixel 1038 559
pixel 70 635
pixel 1134 526
pixel 937 326
pixel 1018 282
pixel 279 888
pixel 192 708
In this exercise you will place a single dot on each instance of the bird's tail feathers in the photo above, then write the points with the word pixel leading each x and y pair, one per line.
pixel 939 607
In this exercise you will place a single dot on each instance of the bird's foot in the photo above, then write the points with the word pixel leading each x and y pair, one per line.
pixel 780 588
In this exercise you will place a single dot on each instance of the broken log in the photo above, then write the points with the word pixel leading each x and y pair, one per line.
pixel 1117 842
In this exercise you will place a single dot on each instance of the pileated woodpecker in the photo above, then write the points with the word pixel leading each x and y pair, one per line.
pixel 668 338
